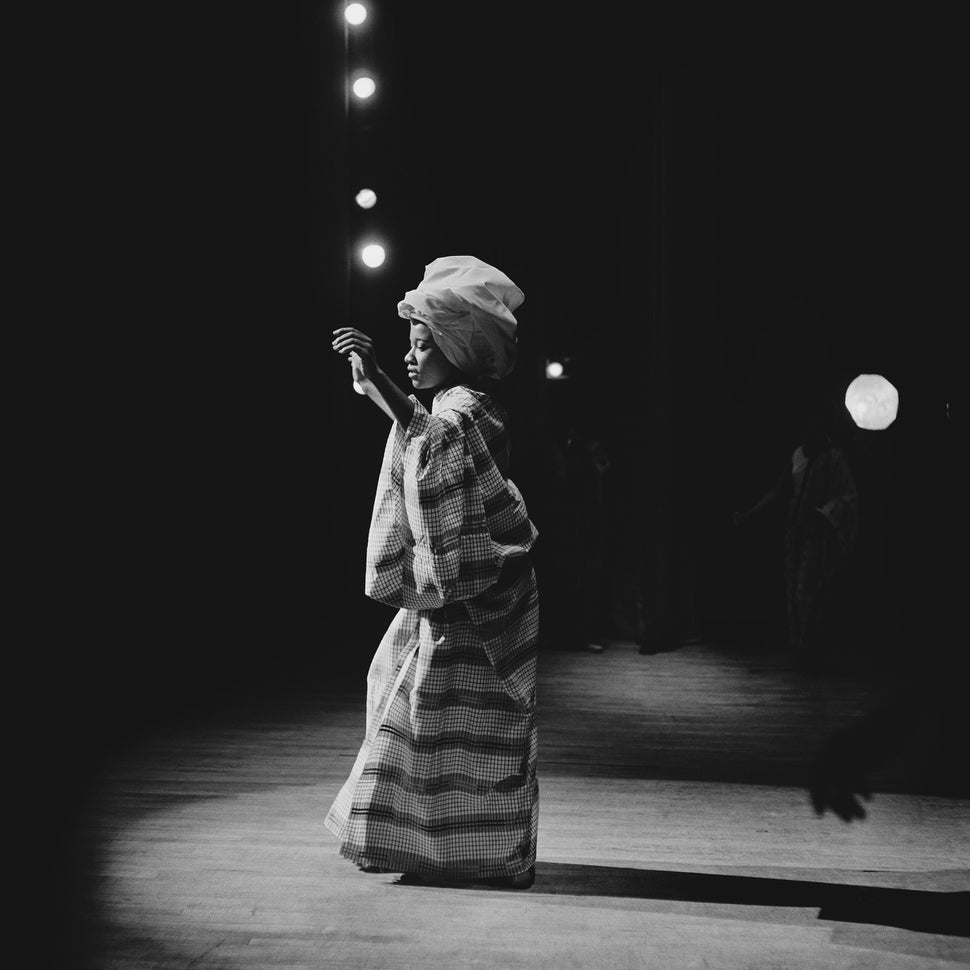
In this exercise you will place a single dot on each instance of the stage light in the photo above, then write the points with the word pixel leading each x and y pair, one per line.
pixel 554 370
pixel 355 13
pixel 372 255
pixel 872 401
pixel 364 87
pixel 366 198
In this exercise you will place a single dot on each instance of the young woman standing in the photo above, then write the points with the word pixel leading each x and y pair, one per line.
pixel 444 785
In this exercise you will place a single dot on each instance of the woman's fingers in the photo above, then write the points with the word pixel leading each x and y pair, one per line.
pixel 344 331
pixel 359 351
pixel 348 333
pixel 344 345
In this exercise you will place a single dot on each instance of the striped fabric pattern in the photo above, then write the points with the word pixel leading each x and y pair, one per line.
pixel 445 781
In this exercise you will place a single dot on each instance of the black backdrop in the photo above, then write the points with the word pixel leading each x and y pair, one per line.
pixel 705 217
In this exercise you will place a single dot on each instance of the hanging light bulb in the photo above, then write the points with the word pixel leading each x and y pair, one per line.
pixel 366 198
pixel 364 87
pixel 355 14
pixel 373 255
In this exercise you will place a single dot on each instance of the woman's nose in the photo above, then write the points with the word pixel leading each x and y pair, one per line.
pixel 409 357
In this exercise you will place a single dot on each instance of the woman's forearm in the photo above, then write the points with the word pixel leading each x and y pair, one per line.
pixel 389 398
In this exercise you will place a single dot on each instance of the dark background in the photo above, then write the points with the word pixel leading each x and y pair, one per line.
pixel 711 219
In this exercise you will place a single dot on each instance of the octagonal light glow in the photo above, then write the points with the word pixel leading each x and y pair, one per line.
pixel 872 402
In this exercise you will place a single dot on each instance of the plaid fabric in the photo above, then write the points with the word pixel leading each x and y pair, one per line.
pixel 445 781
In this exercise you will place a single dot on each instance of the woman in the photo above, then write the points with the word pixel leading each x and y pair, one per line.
pixel 444 785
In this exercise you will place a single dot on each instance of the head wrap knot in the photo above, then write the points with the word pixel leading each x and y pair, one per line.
pixel 468 306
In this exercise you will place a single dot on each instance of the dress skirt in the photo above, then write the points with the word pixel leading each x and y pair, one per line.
pixel 445 781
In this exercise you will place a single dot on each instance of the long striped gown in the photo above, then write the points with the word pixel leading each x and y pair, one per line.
pixel 445 781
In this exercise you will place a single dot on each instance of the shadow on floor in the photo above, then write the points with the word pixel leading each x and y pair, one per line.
pixel 946 913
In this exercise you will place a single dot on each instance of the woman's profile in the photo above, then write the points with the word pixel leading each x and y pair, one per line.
pixel 444 785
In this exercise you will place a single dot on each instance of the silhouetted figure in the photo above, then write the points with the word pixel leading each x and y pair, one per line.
pixel 920 716
pixel 821 527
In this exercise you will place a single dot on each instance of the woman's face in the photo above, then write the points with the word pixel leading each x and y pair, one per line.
pixel 427 365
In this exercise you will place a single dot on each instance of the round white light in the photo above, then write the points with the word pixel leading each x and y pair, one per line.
pixel 554 369
pixel 366 198
pixel 372 255
pixel 356 13
pixel 358 388
pixel 364 87
pixel 872 401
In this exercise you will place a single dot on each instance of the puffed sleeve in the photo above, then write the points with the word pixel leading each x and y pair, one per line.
pixel 429 542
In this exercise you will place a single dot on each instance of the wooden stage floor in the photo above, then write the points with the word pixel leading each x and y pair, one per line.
pixel 675 832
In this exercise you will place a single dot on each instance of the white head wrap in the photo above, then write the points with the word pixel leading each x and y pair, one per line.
pixel 468 306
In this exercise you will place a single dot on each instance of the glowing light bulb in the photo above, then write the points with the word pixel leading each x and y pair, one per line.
pixel 364 87
pixel 372 255
pixel 554 370
pixel 355 13
pixel 366 198
pixel 358 388
pixel 872 401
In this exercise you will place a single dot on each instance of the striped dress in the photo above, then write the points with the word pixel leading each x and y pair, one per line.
pixel 445 781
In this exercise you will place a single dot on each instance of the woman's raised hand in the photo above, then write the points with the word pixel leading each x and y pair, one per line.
pixel 359 347
pixel 371 380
